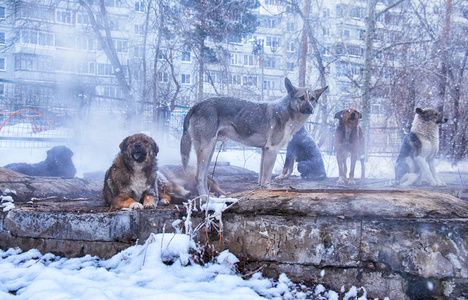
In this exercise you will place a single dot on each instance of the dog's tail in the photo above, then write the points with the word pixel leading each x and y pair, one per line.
pixel 186 141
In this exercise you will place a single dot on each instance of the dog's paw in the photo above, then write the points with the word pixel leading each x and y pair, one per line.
pixel 185 193
pixel 341 180
pixel 136 206
pixel 149 202
pixel 165 200
pixel 439 183
pixel 281 177
pixel 352 182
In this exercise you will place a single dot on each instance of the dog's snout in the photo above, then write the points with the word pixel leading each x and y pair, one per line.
pixel 138 146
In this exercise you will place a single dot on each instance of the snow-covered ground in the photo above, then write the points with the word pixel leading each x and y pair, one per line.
pixel 142 272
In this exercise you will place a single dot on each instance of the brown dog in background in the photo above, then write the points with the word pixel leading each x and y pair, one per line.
pixel 130 180
pixel 349 140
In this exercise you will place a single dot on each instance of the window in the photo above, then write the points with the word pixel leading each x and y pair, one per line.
pixel 63 16
pixel 341 10
pixel 111 91
pixel 115 3
pixel 138 51
pixel 291 47
pixel 121 46
pixel 82 19
pixel 186 56
pixel 2 12
pixel 236 59
pixel 356 12
pixel 140 6
pixel 87 67
pixel 273 42
pixel 249 60
pixel 250 80
pixel 37 38
pixel 85 43
pixel 162 54
pixel 140 29
pixel 2 64
pixel 2 38
pixel 290 66
pixel 163 77
pixel 272 62
pixel 268 85
pixel 104 69
pixel 290 26
pixel 271 2
pixel 235 79
pixel 185 78
pixel 355 51
pixel 2 89
pixel 271 23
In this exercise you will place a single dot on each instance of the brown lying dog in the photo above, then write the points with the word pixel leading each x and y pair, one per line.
pixel 184 184
pixel 130 180
pixel 349 140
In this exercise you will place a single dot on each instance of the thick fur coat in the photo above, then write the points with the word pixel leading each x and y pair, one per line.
pixel 349 140
pixel 415 162
pixel 303 149
pixel 130 181
pixel 268 126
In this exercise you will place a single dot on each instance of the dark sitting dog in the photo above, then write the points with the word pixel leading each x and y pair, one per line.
pixel 57 164
pixel 302 148
pixel 131 179
pixel 349 140
pixel 415 163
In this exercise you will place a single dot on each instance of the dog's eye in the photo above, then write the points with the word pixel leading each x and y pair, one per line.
pixel 302 98
pixel 145 141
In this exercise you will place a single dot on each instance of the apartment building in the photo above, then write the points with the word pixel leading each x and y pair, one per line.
pixel 50 58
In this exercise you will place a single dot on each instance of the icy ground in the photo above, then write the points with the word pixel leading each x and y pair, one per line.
pixel 162 268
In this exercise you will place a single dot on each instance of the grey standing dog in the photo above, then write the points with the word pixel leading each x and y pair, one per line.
pixel 268 126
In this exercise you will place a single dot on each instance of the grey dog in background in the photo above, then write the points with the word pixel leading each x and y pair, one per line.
pixel 268 126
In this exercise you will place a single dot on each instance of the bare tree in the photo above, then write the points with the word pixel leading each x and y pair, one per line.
pixel 371 18
pixel 99 20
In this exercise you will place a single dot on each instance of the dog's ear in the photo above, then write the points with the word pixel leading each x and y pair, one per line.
pixel 419 111
pixel 319 92
pixel 289 87
pixel 124 144
pixel 154 147
pixel 339 114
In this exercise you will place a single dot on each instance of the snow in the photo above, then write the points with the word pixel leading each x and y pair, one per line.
pixel 139 272
pixel 6 202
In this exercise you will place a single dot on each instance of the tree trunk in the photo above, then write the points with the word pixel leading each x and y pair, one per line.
pixel 144 91
pixel 201 70
pixel 367 72
pixel 303 56
pixel 107 45
pixel 156 102
pixel 444 38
